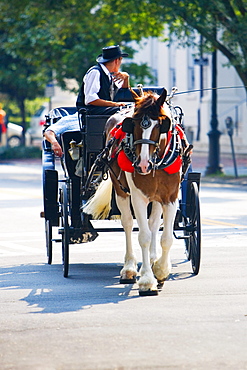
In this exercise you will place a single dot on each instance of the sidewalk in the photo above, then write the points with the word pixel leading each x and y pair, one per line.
pixel 200 163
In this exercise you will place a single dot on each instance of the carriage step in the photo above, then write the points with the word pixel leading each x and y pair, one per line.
pixel 181 237
pixel 57 240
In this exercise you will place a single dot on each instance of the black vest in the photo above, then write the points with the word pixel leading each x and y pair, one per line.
pixel 104 92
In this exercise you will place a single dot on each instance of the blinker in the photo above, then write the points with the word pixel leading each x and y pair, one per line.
pixel 165 125
pixel 128 125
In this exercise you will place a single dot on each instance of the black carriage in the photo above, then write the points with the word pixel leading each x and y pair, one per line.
pixel 83 166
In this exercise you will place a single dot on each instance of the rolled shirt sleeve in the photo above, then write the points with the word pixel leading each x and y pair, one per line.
pixel 92 86
pixel 66 123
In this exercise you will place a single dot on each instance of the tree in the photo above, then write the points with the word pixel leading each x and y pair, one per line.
pixel 37 38
pixel 185 16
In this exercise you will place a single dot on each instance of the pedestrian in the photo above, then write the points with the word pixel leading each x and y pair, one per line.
pixel 3 128
pixel 102 81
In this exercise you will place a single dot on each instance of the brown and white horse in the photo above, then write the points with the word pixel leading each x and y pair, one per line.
pixel 147 131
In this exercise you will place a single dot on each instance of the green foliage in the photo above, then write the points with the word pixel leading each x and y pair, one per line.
pixel 64 37
pixel 20 152
pixel 139 74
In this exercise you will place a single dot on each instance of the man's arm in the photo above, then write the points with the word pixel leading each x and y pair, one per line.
pixel 106 103
pixel 51 137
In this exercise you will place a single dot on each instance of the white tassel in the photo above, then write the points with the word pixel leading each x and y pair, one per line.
pixel 99 205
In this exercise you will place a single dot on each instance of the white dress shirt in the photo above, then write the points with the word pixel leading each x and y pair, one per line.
pixel 92 84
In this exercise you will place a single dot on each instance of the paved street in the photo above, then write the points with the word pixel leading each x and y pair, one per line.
pixel 89 321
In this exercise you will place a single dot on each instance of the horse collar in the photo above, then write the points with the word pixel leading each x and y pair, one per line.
pixel 145 122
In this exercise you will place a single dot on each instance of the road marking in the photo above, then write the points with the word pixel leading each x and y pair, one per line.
pixel 19 194
pixel 221 223
pixel 19 247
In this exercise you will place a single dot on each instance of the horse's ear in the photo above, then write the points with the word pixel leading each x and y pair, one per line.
pixel 134 94
pixel 165 125
pixel 128 125
pixel 162 98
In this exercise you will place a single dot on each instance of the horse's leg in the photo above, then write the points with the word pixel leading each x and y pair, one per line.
pixel 147 281
pixel 129 271
pixel 154 225
pixel 162 267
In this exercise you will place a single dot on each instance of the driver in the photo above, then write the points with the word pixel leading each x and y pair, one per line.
pixel 102 81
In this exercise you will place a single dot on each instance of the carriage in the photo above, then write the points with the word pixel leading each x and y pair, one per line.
pixel 86 164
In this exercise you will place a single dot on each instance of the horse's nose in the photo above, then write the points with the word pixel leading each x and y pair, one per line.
pixel 143 166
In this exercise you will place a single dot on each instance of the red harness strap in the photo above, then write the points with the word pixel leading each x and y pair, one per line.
pixel 126 165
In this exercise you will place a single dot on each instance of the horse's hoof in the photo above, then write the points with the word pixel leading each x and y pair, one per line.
pixel 144 293
pixel 127 281
pixel 160 283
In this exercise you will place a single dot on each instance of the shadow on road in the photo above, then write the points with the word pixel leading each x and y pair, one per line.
pixel 87 285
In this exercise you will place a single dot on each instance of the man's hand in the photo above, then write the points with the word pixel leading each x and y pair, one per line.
pixel 51 137
pixel 120 76
pixel 57 149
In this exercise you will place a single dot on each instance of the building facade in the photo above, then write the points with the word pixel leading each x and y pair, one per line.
pixel 176 66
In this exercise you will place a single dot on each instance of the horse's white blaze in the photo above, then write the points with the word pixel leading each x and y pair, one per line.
pixel 144 153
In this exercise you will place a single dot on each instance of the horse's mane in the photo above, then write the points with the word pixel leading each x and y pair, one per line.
pixel 146 104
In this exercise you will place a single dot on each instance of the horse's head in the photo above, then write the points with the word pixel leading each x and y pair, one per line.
pixel 147 126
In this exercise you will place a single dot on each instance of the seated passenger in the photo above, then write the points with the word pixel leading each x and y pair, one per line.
pixel 53 132
pixel 102 82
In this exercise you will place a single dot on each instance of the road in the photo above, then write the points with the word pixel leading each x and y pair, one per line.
pixel 89 321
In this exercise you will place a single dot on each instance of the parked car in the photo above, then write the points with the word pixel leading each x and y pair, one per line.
pixel 37 122
pixel 39 118
pixel 14 135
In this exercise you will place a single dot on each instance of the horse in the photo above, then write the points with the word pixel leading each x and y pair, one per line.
pixel 142 140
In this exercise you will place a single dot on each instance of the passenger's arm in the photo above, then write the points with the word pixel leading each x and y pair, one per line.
pixel 51 137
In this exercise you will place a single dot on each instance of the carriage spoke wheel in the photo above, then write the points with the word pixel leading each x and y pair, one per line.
pixel 193 246
pixel 48 237
pixel 65 230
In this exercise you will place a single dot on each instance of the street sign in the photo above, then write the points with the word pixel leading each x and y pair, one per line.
pixel 50 90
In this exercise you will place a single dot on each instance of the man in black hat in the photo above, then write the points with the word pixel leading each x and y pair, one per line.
pixel 102 81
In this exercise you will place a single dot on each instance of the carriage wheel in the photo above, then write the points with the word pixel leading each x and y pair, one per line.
pixel 193 229
pixel 48 236
pixel 65 233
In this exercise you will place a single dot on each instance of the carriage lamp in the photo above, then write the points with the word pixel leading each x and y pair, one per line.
pixel 74 150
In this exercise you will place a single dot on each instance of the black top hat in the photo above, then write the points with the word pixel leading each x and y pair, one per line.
pixel 110 53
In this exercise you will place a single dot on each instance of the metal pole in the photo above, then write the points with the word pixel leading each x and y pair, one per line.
pixel 230 128
pixel 214 166
pixel 233 157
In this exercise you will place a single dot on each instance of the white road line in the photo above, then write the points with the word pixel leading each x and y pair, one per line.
pixel 19 248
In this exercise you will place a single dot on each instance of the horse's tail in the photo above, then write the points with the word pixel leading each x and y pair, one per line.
pixel 99 205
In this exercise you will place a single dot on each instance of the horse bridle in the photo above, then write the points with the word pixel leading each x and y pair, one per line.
pixel 144 124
